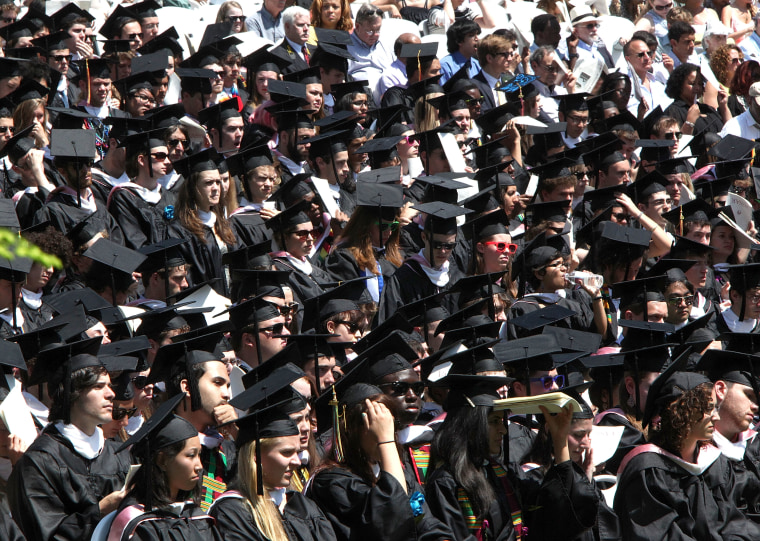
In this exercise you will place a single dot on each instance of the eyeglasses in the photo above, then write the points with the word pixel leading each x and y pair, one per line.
pixel 134 36
pixel 552 68
pixel 352 327
pixel 62 57
pixel 474 101
pixel 642 54
pixel 621 216
pixel 658 202
pixel 304 234
pixel 663 7
pixel 143 98
pixel 289 309
pixel 688 300
pixel 503 246
pixel 150 26
pixel 754 299
pixel 159 156
pixel 218 74
pixel 592 26
pixel 360 103
pixel 172 143
pixel 444 245
pixel 410 139
pixel 119 413
pixel 274 329
pixel 371 32
pixel 6 129
pixel 736 61
pixel 578 119
pixel 672 135
pixel 400 388
pixel 387 226
pixel 548 381
pixel 140 382
pixel 235 18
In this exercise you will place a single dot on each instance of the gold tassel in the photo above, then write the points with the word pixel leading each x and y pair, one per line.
pixel 337 441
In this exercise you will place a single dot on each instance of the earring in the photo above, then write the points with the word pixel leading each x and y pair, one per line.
pixel 631 402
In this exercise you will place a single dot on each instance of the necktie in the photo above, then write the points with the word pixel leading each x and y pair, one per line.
pixel 602 48
pixel 305 52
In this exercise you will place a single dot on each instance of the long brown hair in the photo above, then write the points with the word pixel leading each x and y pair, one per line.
pixel 356 239
pixel 188 215
pixel 344 23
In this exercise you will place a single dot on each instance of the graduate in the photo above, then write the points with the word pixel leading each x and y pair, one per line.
pixel 162 504
pixel 70 477
pixel 678 485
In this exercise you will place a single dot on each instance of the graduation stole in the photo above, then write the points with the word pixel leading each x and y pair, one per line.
pixel 299 480
pixel 516 513
pixel 213 483
pixel 606 294
pixel 420 457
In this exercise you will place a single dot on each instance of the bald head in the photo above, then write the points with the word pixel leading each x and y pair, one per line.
pixel 402 40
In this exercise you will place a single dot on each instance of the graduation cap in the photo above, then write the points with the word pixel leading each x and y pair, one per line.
pixel 112 26
pixel 73 145
pixel 161 430
pixel 395 322
pixel 57 364
pixel 424 311
pixel 732 147
pixel 143 80
pixel 162 256
pixel 65 17
pixel 685 247
pixel 418 53
pixel 51 334
pixel 650 184
pixel 281 91
pixel 22 28
pixel 170 318
pixel 454 101
pixel 730 366
pixel 673 269
pixel 493 121
pixel 205 160
pixel 38 19
pixel 19 145
pixel 179 358
pixel 252 283
pixel 263 60
pixel 380 150
pixel 669 386
pixel 344 89
pixel 305 77
pixel 693 211
pixel 212 117
pixel 549 211
pixel 624 121
pixel 675 166
pixel 475 360
pixel 294 215
pixel 655 150
pixel 293 190
pixel 165 41
pixel 119 261
pixel 744 277
pixel 647 334
pixel 538 319
pixel 113 46
pixel 195 79
pixel 28 90
pixel 572 102
pixel 424 87
pixel 124 366
pixel 145 9
pixel 530 353
pixel 218 36
pixel 572 340
pixel 10 357
pixel 441 217
pixel 156 63
pixel 625 239
pixel 329 56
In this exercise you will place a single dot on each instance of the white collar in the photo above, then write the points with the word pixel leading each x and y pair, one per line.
pixel 211 439
pixel 168 180
pixel 732 320
pixel 440 276
pixel 7 316
pixel 87 446
pixel 207 218
pixel 277 495
pixel 301 264
pixel 149 196
pixel 733 450
pixel 298 49
pixel 100 112
pixel 33 300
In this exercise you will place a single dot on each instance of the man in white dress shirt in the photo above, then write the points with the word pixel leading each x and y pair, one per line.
pixel 747 124
pixel 545 64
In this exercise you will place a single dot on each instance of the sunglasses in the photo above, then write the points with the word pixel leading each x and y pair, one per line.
pixel 62 57
pixel 9 20
pixel 289 309
pixel 474 101
pixel 172 143
pixel 672 135
pixel 548 381
pixel 592 26
pixel 236 18
pixel 664 7
pixel 409 139
pixel 387 226
pixel 642 54
pixel 135 36
pixel 6 129
pixel 352 327
pixel 304 234
pixel 119 413
pixel 400 388
pixel 621 216
pixel 159 156
pixel 688 300
pixel 140 382
pixel 503 246
pixel 444 245
pixel 274 329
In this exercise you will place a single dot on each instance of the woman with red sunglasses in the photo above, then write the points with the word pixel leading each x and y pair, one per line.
pixel 494 248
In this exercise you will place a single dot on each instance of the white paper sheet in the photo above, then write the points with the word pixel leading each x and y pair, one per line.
pixel 604 442
pixel 453 152
pixel 325 194
pixel 16 414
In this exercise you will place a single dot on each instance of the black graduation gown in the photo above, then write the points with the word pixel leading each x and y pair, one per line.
pixel 521 438
pixel 142 222
pixel 164 524
pixel 341 263
pixel 397 95
pixel 34 317
pixel 747 474
pixel 28 204
pixel 249 228
pixel 54 491
pixel 204 257
pixel 63 213
pixel 302 519
pixel 658 499
pixel 410 283
pixel 631 438
pixel 305 286
pixel 361 512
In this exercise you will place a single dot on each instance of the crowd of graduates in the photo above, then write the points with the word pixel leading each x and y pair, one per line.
pixel 475 270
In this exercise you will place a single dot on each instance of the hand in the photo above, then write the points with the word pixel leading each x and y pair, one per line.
pixel 378 421
pixel 668 63
pixel 337 223
pixel 588 463
pixel 407 214
pixel 111 502
pixel 522 203
pixel 722 97
pixel 511 131
pixel 570 82
pixel 268 213
pixel 643 108
pixel 84 50
pixel 724 291
pixel 559 424
pixel 16 448
pixel 627 203
pixel 693 113
pixel 39 134
pixel 34 160
pixel 572 42
pixel 224 413
pixel 395 13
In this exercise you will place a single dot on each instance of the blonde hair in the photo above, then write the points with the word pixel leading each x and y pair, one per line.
pixel 266 516
pixel 425 115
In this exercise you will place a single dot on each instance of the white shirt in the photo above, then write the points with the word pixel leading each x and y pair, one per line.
pixel 550 105
pixel 743 125
pixel 492 81
pixel 298 49
pixel 750 45
pixel 732 320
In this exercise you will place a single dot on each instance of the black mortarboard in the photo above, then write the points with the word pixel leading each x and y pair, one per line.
pixel 669 267
pixel 218 36
pixel 744 276
pixel 305 77
pixel 195 79
pixel 380 150
pixel 551 211
pixel 343 89
pixel 623 121
pixel 670 386
pixel 28 90
pixel 395 322
pixel 572 102
pixel 165 116
pixel 573 340
pixel 137 81
pixel 534 352
pixel 169 318
pixel 675 165
pixel 494 120
pixel 731 366
pixel 165 41
pixel 10 67
pixel 693 211
pixel 119 261
pixel 650 184
pixel 284 90
pixel 247 160
pixel 73 144
pixel 294 215
pixel 68 14
pixel 154 62
pixel 121 385
pixel 213 116
pixel 655 150
pixel 540 318
pixel 418 50
pixel 19 145
pixel 205 160
pixel 11 356
pixel 454 101
pixel 441 217
pixel 262 60
pixel 685 247
pixel 22 28
pixel 329 56
pixel 116 20
pixel 16 269
pixel 111 46
pixel 424 87
pixel 252 312
pixel 145 9
pixel 333 37
pixel 292 120
pixel 36 15
pixel 248 283
pixel 425 310
pixel 646 334
pixel 732 147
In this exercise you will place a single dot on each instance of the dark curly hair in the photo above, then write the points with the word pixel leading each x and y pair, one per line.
pixel 720 61
pixel 52 241
pixel 678 418
pixel 677 78
pixel 747 73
